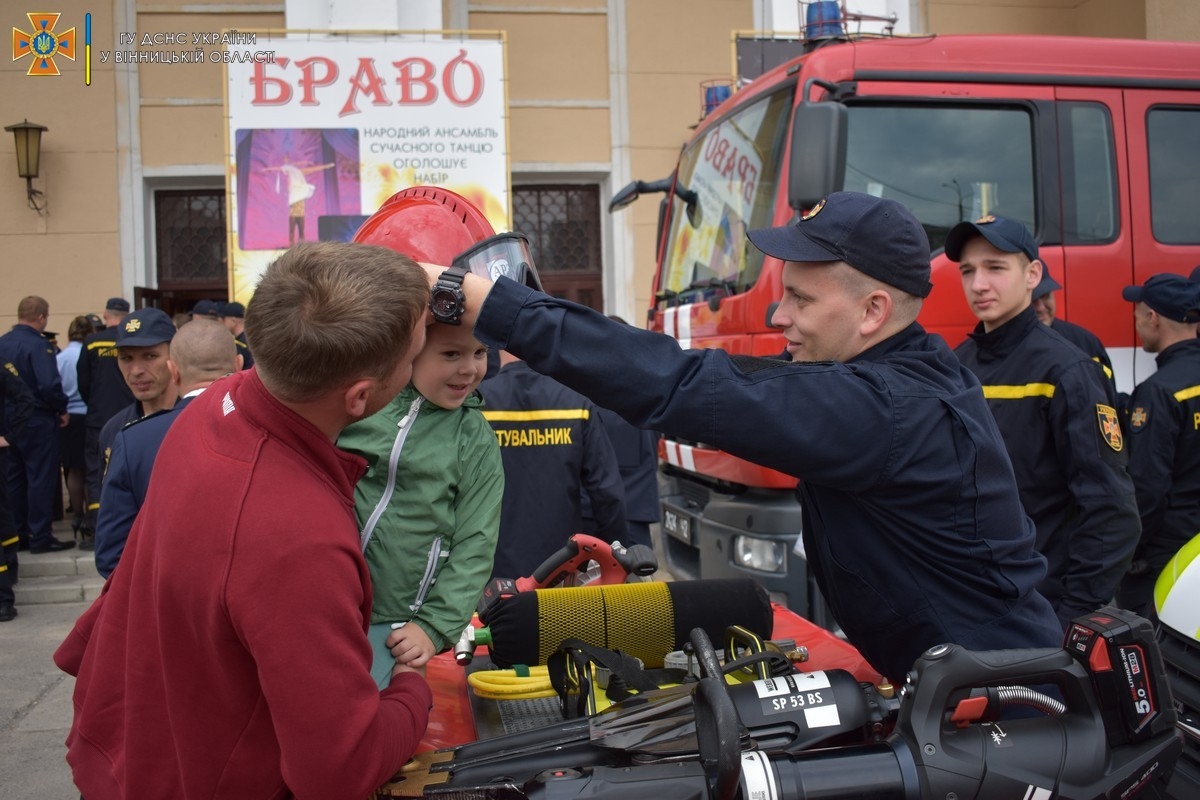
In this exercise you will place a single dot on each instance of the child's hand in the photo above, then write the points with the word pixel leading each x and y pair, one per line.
pixel 410 645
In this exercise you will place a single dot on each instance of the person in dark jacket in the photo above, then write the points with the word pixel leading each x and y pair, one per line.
pixel 103 389
pixel 912 521
pixel 1057 414
pixel 1045 307
pixel 637 460
pixel 201 353
pixel 16 407
pixel 233 316
pixel 1164 432
pixel 143 349
pixel 554 447
pixel 33 467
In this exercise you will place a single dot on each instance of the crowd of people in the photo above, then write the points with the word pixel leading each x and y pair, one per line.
pixel 113 370
pixel 372 477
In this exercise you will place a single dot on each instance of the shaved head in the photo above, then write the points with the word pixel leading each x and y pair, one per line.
pixel 203 350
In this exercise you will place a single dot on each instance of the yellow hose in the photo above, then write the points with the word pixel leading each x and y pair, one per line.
pixel 506 684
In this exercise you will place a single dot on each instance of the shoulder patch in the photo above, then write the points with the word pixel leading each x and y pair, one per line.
pixel 1110 427
pixel 1138 418
pixel 8 365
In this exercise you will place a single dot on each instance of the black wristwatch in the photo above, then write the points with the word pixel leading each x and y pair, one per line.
pixel 448 301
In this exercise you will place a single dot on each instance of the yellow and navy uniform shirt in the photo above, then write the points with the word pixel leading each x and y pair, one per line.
pixel 554 447
pixel 1057 415
pixel 1164 452
pixel 101 384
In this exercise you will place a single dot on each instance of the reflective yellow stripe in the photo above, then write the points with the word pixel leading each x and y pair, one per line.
pixel 98 345
pixel 3 567
pixel 1104 367
pixel 534 416
pixel 1018 392
pixel 93 506
pixel 7 542
pixel 1188 393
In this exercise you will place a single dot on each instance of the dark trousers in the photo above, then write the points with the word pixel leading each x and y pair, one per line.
pixel 94 461
pixel 33 471
pixel 8 537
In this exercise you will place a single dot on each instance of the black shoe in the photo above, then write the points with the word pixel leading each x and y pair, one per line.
pixel 22 545
pixel 55 546
pixel 88 544
pixel 7 612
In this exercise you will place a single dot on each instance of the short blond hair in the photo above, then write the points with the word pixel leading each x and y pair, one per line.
pixel 326 314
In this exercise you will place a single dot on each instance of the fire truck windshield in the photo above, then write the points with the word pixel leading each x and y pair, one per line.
pixel 945 163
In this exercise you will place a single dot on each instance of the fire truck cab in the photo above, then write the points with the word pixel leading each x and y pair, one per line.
pixel 1090 142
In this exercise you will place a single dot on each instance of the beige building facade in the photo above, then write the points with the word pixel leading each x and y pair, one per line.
pixel 600 92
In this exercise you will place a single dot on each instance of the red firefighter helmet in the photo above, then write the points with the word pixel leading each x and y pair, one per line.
pixel 426 223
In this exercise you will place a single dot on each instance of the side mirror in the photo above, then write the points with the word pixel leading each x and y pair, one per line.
pixel 818 153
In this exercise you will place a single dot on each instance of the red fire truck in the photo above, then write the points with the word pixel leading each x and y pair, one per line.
pixel 1093 143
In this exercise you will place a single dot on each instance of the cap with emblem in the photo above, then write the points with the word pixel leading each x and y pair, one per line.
pixel 1046 285
pixel 145 327
pixel 119 304
pixel 234 309
pixel 1006 235
pixel 876 236
pixel 1172 296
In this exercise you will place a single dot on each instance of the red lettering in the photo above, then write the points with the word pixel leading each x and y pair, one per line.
pixel 475 75
pixel 749 175
pixel 365 80
pixel 260 82
pixel 309 81
pixel 416 82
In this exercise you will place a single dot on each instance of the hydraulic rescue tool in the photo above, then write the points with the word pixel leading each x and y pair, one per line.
pixel 1091 720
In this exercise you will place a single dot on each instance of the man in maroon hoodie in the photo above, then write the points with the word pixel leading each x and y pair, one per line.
pixel 227 656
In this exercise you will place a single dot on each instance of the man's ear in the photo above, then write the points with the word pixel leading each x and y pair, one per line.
pixel 357 397
pixel 877 310
pixel 176 375
pixel 239 360
pixel 1034 276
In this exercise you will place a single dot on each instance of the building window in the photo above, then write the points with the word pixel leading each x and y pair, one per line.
pixel 563 226
pixel 189 227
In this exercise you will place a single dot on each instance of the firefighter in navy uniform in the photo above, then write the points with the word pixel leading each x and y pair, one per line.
pixel 1057 414
pixel 1164 432
pixel 103 388
pixel 233 316
pixel 554 447
pixel 34 468
pixel 16 406
pixel 912 521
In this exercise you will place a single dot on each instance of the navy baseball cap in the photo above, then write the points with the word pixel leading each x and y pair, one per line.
pixel 204 308
pixel 877 237
pixel 1006 235
pixel 117 304
pixel 234 309
pixel 145 327
pixel 1173 296
pixel 1046 285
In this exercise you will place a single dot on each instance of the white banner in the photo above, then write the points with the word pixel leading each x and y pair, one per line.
pixel 322 131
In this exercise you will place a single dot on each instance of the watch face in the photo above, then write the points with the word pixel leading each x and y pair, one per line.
pixel 446 305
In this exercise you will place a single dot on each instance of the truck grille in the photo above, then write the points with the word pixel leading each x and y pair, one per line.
pixel 1181 656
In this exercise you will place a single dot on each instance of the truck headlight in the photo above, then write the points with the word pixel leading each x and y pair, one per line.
pixel 764 555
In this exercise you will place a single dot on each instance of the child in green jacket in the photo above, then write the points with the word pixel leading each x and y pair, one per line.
pixel 428 506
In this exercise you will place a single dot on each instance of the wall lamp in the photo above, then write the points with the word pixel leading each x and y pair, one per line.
pixel 28 136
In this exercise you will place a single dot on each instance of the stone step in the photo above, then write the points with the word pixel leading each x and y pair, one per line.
pixel 68 576
pixel 57 589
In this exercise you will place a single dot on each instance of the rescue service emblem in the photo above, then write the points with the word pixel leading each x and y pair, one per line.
pixel 985 220
pixel 1110 428
pixel 132 325
pixel 812 212
pixel 1138 418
